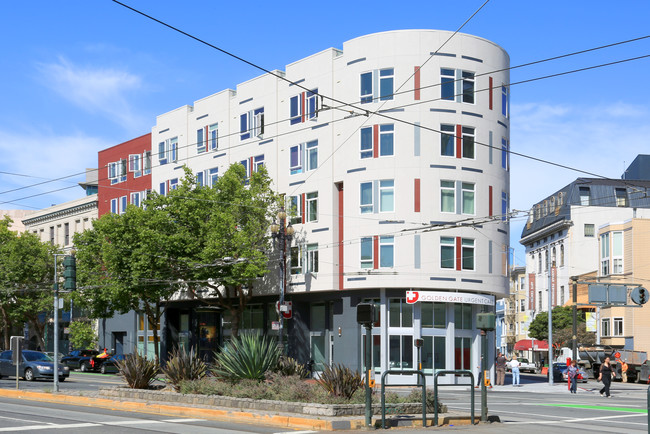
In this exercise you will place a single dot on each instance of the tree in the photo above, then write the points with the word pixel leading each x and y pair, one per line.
pixel 562 318
pixel 207 243
pixel 82 335
pixel 26 280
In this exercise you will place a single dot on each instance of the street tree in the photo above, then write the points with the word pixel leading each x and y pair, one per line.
pixel 562 319
pixel 26 280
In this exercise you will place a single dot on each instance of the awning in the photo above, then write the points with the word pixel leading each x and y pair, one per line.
pixel 531 344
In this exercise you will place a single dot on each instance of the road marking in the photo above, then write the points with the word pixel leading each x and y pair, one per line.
pixel 49 426
pixel 97 424
pixel 295 432
pixel 583 419
pixel 597 407
pixel 183 420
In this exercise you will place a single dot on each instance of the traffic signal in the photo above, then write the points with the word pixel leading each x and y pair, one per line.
pixel 643 295
pixel 69 273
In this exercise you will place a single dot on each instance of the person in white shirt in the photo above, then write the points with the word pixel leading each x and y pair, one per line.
pixel 514 365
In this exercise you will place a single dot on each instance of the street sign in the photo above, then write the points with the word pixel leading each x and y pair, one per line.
pixel 604 294
pixel 639 295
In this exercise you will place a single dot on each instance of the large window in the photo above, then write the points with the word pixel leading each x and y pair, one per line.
pixel 252 124
pixel 400 353
pixel 505 101
pixel 462 353
pixel 384 245
pixel 457 85
pixel 604 254
pixel 366 252
pixel 605 327
pixel 385 190
pixel 618 327
pixel 366 198
pixel 447 140
pixel 303 107
pixel 448 253
pixel 448 136
pixel 467 190
pixel 400 313
pixel 168 151
pixel 135 165
pixel 386 252
pixel 377 141
pixel 617 252
pixel 303 157
pixel 377 84
pixel 386 195
pixel 585 195
pixel 434 353
pixel 434 315
pixel 311 203
pixel 590 230
pixel 621 197
pixel 463 316
pixel 447 196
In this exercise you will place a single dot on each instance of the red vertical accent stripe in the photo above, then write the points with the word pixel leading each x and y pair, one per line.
pixel 302 104
pixel 340 240
pixel 459 141
pixel 459 259
pixel 416 194
pixel 490 201
pixel 205 137
pixel 302 207
pixel 375 248
pixel 491 93
pixel 250 166
pixel 375 141
pixel 416 84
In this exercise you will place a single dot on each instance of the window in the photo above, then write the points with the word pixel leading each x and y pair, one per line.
pixel 447 196
pixel 66 234
pixel 386 252
pixel 522 305
pixel 604 254
pixel 377 84
pixel 447 80
pixel 539 263
pixel 505 153
pixel 213 176
pixel 135 165
pixel 377 141
pixel 400 313
pixel 617 252
pixel 135 199
pixel 146 162
pixel 303 157
pixel 303 107
pixel 295 210
pixel 618 327
pixel 311 200
pixel 447 137
pixel 467 254
pixel 168 151
pixel 590 230
pixel 296 260
pixel 447 252
pixel 117 171
pixel 456 84
pixel 123 203
pixel 505 101
pixel 252 124
pixel 207 138
pixel 312 258
pixel 201 145
pixel 447 140
pixel 386 195
pixel 366 252
pixel 621 197
pixel 504 206
pixel 584 196
pixel 604 327
pixel 463 316
pixel 114 206
pixel 213 136
pixel 467 190
pixel 434 315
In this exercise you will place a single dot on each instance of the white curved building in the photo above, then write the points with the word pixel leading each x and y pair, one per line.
pixel 394 150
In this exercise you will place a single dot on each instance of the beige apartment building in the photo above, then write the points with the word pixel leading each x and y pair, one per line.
pixel 623 258
pixel 517 317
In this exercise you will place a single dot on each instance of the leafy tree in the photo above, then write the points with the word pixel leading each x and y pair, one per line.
pixel 207 243
pixel 26 273
pixel 82 335
pixel 562 318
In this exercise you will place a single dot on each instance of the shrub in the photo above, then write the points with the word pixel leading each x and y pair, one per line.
pixel 340 381
pixel 82 335
pixel 184 366
pixel 138 372
pixel 249 356
pixel 416 396
pixel 288 366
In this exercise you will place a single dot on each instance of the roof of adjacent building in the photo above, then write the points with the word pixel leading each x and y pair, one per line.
pixel 556 208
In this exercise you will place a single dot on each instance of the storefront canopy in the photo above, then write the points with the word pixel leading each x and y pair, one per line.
pixel 531 344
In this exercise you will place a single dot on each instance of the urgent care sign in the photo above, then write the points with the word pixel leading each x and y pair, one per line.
pixel 449 297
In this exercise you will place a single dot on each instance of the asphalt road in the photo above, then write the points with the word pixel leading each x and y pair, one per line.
pixel 77 382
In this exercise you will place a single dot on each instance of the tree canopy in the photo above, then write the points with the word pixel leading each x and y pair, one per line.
pixel 204 242
pixel 562 319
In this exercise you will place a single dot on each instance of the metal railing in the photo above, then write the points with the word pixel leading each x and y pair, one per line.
pixel 383 395
pixel 435 390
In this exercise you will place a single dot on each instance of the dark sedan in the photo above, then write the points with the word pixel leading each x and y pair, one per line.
pixel 34 365
pixel 110 366
pixel 79 359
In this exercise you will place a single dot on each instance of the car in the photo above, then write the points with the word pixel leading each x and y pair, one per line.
pixel 560 373
pixel 524 366
pixel 79 359
pixel 34 365
pixel 110 365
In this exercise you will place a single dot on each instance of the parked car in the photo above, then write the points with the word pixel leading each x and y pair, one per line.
pixel 560 373
pixel 34 365
pixel 524 366
pixel 79 359
pixel 110 365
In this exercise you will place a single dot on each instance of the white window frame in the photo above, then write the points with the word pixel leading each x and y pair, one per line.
pixel 605 327
pixel 311 263
pixel 213 137
pixel 311 201
pixel 617 259
pixel 468 188
pixel 387 242
pixel 386 186
pixel 448 186
pixel 605 254
pixel 618 327
pixel 146 162
pixel 369 207
pixel 465 245
pixel 366 263
pixel 377 77
pixel 135 199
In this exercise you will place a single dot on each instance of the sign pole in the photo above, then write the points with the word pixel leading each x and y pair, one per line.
pixel 575 318
pixel 550 321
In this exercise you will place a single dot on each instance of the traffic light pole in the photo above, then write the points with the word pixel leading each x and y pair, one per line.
pixel 55 387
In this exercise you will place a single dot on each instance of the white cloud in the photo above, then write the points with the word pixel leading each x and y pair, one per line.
pixel 44 157
pixel 602 140
pixel 97 90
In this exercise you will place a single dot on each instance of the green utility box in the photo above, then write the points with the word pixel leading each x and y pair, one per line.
pixel 486 321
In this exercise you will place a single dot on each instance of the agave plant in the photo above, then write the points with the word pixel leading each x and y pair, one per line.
pixel 340 381
pixel 250 356
pixel 288 366
pixel 138 371
pixel 184 366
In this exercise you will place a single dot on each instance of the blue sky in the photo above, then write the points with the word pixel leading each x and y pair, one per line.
pixel 81 76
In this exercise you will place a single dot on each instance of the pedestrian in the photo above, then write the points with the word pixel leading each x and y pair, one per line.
pixel 514 365
pixel 624 368
pixel 572 373
pixel 501 369
pixel 606 374
pixel 480 375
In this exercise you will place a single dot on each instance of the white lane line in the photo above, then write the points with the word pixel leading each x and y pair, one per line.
pixel 132 422
pixel 50 426
pixel 295 432
pixel 183 420
pixel 18 419
pixel 515 412
pixel 583 419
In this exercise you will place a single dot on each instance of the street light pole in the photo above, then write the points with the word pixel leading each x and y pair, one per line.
pixel 282 233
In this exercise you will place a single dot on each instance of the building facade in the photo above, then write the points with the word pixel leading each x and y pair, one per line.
pixel 394 153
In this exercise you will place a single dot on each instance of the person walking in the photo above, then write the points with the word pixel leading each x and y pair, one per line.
pixel 606 374
pixel 624 368
pixel 514 365
pixel 501 369
pixel 572 373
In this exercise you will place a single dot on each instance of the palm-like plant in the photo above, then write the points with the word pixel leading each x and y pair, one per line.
pixel 184 366
pixel 250 356
pixel 340 381
pixel 138 371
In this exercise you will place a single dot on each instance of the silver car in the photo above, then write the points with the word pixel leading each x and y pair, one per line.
pixel 34 365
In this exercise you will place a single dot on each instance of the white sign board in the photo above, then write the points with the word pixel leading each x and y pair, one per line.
pixel 449 297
